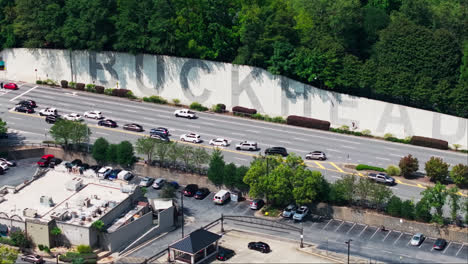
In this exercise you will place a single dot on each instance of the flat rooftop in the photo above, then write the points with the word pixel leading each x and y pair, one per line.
pixel 67 197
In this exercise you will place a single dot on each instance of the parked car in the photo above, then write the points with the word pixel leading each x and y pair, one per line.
pixel 247 145
pixel 11 86
pixel 45 159
pixel 301 213
pixel 185 113
pixel 190 190
pixel 51 119
pixel 133 127
pixel 104 172
pixel 146 182
pixel 381 177
pixel 93 114
pixel 77 162
pixel 417 239
pixel 48 111
pixel 159 183
pixel 440 244
pixel 276 151
pixel 33 258
pixel 113 174
pixel 107 123
pixel 162 131
pixel 125 175
pixel 222 142
pixel 160 137
pixel 54 162
pixel 4 166
pixel 221 197
pixel 202 193
pixel 259 246
pixel 224 255
pixel 29 103
pixel 316 155
pixel 10 163
pixel 73 117
pixel 95 168
pixel 191 137
pixel 24 109
pixel 3 135
pixel 256 204
pixel 174 184
pixel 289 211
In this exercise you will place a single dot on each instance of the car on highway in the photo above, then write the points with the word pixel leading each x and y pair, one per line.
pixel 146 182
pixel 45 159
pixel 163 138
pixel 159 183
pixel 301 213
pixel 133 127
pixel 220 142
pixel 10 163
pixel 107 123
pixel 247 145
pixel 191 137
pixel 190 190
pixel 11 86
pixel 439 244
pixel 48 111
pixel 289 211
pixel 161 131
pixel 276 151
pixel 104 172
pixel 33 258
pixel 259 246
pixel 381 177
pixel 51 119
pixel 24 109
pixel 316 155
pixel 256 204
pixel 417 239
pixel 185 113
pixel 202 193
pixel 29 103
pixel 113 174
pixel 94 114
pixel 73 117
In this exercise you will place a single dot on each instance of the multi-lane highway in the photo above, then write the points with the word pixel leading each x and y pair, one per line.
pixel 339 148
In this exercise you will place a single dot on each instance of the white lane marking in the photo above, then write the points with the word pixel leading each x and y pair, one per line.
pixel 101 133
pixel 327 224
pixel 339 226
pixel 17 118
pixel 379 158
pixel 131 111
pixel 460 249
pixel 240 158
pixel 239 134
pixel 348 147
pixel 397 239
pixel 11 123
pixel 447 247
pixel 301 139
pixel 396 155
pixel 374 234
pixel 253 131
pixel 392 148
pixel 193 126
pixel 300 150
pixel 333 150
pixel 27 132
pixel 386 235
pixel 64 104
pixel 16 97
pixel 148 118
pixel 285 142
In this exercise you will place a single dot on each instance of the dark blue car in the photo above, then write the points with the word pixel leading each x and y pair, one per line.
pixel 113 174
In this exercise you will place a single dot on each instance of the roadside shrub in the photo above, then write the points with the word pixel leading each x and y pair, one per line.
pixel 307 122
pixel 278 119
pixel 387 135
pixel 41 247
pixel 108 91
pixel 367 167
pixel 257 116
pixel 408 165
pixel 459 175
pixel 72 85
pixel 50 82
pixel 64 84
pixel 38 82
pixel 394 206
pixel 244 110
pixel 90 88
pixel 366 133
pixel 6 241
pixel 344 127
pixel 429 142
pixel 130 95
pixel 422 211
pixel 120 92
pixel 176 101
pixel 219 108
pixel 20 239
pixel 80 86
pixel 393 170
pixel 99 89
pixel 407 210
pixel 84 249
pixel 155 99
pixel 399 140
pixel 198 106
pixel 436 169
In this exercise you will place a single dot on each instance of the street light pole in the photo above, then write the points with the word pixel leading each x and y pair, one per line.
pixel 182 205
pixel 349 244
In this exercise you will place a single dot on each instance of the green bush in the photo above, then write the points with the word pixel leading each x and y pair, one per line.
pixel 72 85
pixel 394 206
pixel 130 95
pixel 38 82
pixel 399 140
pixel 407 210
pixel 6 241
pixel 257 116
pixel 366 132
pixel 50 82
pixel 90 88
pixel 20 239
pixel 176 101
pixel 388 135
pixel 41 247
pixel 393 170
pixel 459 175
pixel 344 127
pixel 84 249
pixel 422 211
pixel 278 119
pixel 64 83
pixel 367 167
pixel 108 91
pixel 219 108
pixel 198 106
pixel 155 99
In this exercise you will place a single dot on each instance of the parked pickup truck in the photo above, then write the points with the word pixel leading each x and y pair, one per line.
pixel 381 177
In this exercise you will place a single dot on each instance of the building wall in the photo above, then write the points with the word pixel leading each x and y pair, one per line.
pixel 210 83
pixel 39 232
pixel 77 235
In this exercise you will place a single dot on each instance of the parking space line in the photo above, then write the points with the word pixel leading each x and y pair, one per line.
pixel 422 243
pixel 327 224
pixel 397 239
pixel 334 165
pixel 363 231
pixel 351 228
pixel 387 235
pixel 339 226
pixel 450 243
pixel 320 165
pixel 460 249
pixel 374 234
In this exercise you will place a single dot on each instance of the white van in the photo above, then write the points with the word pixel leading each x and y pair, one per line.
pixel 221 197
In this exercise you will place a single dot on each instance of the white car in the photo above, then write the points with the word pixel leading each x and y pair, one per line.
pixel 318 155
pixel 185 113
pixel 49 111
pixel 417 239
pixel 301 213
pixel 191 137
pixel 73 117
pixel 10 163
pixel 247 145
pixel 93 114
pixel 222 142
pixel 4 166
pixel 104 172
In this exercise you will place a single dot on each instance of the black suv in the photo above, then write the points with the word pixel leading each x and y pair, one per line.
pixel 24 109
pixel 28 103
pixel 190 190
pixel 161 131
pixel 276 151
pixel 259 246
pixel 51 119
pixel 107 123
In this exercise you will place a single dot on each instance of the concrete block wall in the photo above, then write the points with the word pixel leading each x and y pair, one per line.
pixel 77 235
pixel 210 83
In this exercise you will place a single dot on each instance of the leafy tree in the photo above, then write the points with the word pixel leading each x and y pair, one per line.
pixel 100 150
pixel 200 157
pixel 66 132
pixel 308 186
pixel 436 197
pixel 146 146
pixel 111 154
pixel 174 153
pixel 407 210
pixel 98 225
pixel 423 211
pixel 466 210
pixel 436 169
pixel 408 165
pixel 459 175
pixel 230 171
pixel 454 202
pixel 342 191
pixel 3 126
pixel 239 178
pixel 379 194
pixel 168 191
pixel 20 239
pixel 363 190
pixel 56 232
pixel 162 151
pixel 394 206
pixel 8 255
pixel 186 155
pixel 216 169
pixel 125 155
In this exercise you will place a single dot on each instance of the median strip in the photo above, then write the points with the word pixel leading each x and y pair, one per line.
pixel 338 168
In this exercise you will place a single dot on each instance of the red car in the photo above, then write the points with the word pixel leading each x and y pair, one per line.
pixel 12 86
pixel 45 160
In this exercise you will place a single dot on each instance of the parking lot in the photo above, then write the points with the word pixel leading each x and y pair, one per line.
pixel 23 171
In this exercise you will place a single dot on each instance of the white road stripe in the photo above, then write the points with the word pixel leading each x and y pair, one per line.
pixel 240 134
pixel 253 131
pixel 101 133
pixel 17 118
pixel 27 132
pixel 128 110
pixel 396 155
pixel 240 158
pixel 383 158
pixel 333 150
pixel 16 97
pixel 348 147
pixel 285 142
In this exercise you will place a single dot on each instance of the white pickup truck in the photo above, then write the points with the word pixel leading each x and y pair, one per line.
pixel 48 112
pixel 381 177
pixel 185 113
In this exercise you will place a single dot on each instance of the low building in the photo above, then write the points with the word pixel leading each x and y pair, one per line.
pixel 194 248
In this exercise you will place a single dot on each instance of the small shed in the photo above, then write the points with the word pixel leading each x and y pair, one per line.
pixel 195 247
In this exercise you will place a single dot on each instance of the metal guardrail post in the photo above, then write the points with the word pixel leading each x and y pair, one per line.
pixel 222 223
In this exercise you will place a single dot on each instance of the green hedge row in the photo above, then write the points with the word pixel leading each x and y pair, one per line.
pixel 367 167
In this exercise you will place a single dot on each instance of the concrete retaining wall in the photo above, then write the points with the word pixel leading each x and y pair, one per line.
pixel 210 83
pixel 23 153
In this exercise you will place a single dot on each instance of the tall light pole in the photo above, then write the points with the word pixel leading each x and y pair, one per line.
pixel 349 244
pixel 182 205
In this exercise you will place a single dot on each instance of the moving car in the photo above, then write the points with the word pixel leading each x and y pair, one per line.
pixel 104 172
pixel 222 142
pixel 202 193
pixel 417 239
pixel 316 155
pixel 191 137
pixel 163 138
pixel 93 114
pixel 29 103
pixel 247 145
pixel 45 159
pixel 24 109
pixel 162 131
pixel 10 163
pixel 11 86
pixel 133 127
pixel 259 246
pixel 276 151
pixel 190 190
pixel 256 204
pixel 185 113
pixel 107 123
pixel 51 119
pixel 146 182
pixel 301 213
pixel 159 183
pixel 113 174
pixel 36 259
pixel 48 111
pixel 289 211
pixel 439 244
pixel 381 177
pixel 73 117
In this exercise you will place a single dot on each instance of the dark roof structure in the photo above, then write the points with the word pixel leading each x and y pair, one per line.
pixel 196 241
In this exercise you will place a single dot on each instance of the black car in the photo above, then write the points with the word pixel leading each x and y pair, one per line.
pixel 77 162
pixel 439 244
pixel 190 189
pixel 28 103
pixel 113 174
pixel 202 193
pixel 133 127
pixel 107 123
pixel 224 254
pixel 54 162
pixel 84 166
pixel 276 151
pixel 24 109
pixel 3 135
pixel 51 119
pixel 95 168
pixel 259 246
pixel 161 131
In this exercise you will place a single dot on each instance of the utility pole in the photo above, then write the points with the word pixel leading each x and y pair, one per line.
pixel 349 244
pixel 182 205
